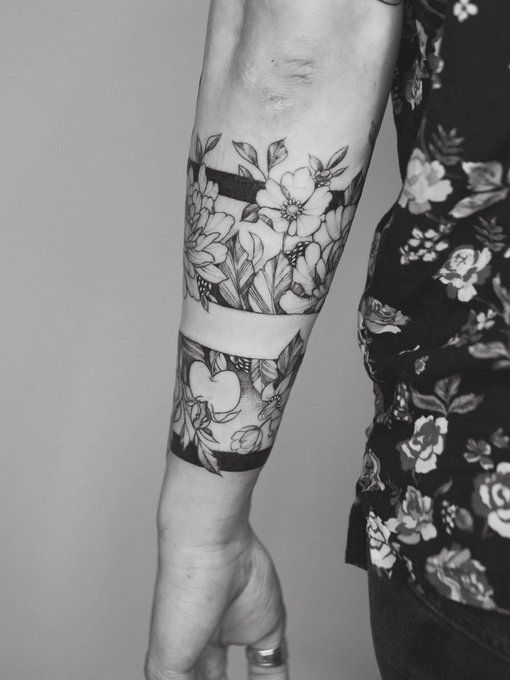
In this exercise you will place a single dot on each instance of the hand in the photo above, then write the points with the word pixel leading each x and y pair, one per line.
pixel 207 599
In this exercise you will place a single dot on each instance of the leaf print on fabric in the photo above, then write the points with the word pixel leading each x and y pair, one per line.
pixel 382 554
pixel 424 184
pixel 464 268
pixel 446 398
pixel 455 574
pixel 294 205
pixel 463 9
pixel 380 318
pixel 414 520
pixel 486 182
pixel 491 498
pixel 420 451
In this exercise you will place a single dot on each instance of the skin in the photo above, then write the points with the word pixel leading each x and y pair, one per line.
pixel 318 75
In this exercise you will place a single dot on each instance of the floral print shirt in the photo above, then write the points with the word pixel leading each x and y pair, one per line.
pixel 433 497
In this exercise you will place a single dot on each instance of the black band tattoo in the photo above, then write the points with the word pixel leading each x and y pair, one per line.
pixel 227 260
pixel 227 409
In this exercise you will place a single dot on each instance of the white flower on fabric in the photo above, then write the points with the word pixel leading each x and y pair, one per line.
pixel 420 451
pixel 381 552
pixel 424 184
pixel 295 205
pixel 464 9
pixel 464 268
pixel 414 521
pixel 491 498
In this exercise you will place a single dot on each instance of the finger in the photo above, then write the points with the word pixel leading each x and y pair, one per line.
pixel 269 642
pixel 212 663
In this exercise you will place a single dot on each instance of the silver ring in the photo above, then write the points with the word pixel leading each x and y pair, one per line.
pixel 268 658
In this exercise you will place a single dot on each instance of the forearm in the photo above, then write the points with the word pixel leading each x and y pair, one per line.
pixel 290 100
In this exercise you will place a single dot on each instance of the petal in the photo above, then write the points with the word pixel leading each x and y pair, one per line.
pixel 272 196
pixel 211 273
pixel 318 201
pixel 299 184
pixel 293 304
pixel 307 224
pixel 221 224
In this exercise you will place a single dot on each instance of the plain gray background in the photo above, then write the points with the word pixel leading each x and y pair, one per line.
pixel 97 108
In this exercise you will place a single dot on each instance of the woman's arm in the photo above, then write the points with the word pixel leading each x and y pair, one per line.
pixel 291 98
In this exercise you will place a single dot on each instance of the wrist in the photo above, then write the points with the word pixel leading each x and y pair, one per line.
pixel 198 510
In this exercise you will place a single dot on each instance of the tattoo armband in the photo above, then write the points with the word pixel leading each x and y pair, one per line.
pixel 274 248
pixel 265 241
pixel 227 408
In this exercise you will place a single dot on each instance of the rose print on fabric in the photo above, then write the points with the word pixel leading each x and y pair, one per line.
pixel 380 318
pixel 491 498
pixel 420 451
pixel 382 554
pixel 413 522
pixel 455 574
pixel 465 268
pixel 424 184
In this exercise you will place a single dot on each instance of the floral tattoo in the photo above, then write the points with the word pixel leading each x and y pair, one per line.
pixel 227 409
pixel 231 260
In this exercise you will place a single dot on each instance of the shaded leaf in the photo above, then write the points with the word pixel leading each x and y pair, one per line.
pixel 269 284
pixel 290 354
pixel 315 163
pixel 247 152
pixel 465 403
pixel 353 191
pixel 250 213
pixel 262 373
pixel 428 402
pixel 217 362
pixel 244 172
pixel 207 458
pixel 212 141
pixel 258 249
pixel 192 350
pixel 337 157
pixel 199 152
pixel 276 153
pixel 239 272
pixel 267 220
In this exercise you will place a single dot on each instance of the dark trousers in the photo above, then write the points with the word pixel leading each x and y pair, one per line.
pixel 432 638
